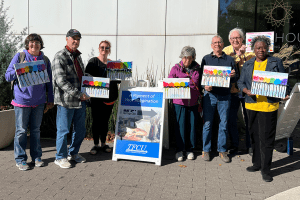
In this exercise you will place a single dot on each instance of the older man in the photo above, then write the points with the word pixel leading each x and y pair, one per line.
pixel 216 97
pixel 67 72
pixel 237 50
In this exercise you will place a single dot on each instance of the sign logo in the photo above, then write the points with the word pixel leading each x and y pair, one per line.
pixel 134 148
pixel 286 16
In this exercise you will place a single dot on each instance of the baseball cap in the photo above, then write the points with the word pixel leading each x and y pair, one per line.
pixel 73 32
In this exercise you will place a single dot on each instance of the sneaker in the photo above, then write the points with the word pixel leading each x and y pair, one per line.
pixel 23 166
pixel 224 157
pixel 63 163
pixel 179 156
pixel 190 155
pixel 38 162
pixel 205 156
pixel 77 158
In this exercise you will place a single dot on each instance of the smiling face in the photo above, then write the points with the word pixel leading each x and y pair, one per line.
pixel 73 42
pixel 187 61
pixel 260 50
pixel 217 45
pixel 104 49
pixel 236 40
pixel 34 47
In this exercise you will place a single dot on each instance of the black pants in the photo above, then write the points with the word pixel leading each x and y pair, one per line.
pixel 100 113
pixel 262 129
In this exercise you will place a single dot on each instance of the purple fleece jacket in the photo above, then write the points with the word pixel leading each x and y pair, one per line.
pixel 179 72
pixel 32 95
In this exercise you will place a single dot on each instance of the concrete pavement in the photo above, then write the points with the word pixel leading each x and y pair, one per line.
pixel 102 178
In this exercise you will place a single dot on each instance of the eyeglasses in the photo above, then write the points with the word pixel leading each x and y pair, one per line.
pixel 219 42
pixel 235 38
pixel 104 48
pixel 34 42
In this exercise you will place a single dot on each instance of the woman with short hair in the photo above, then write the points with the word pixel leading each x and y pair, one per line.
pixel 186 110
pixel 261 110
pixel 29 103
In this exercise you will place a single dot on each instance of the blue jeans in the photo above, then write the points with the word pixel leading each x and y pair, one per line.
pixel 210 103
pixel 63 122
pixel 186 120
pixel 232 120
pixel 33 117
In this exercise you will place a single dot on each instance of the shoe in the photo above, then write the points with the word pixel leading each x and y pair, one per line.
pixel 63 163
pixel 38 162
pixel 224 157
pixel 179 156
pixel 205 156
pixel 77 158
pixel 23 166
pixel 95 150
pixel 190 155
pixel 267 177
pixel 252 169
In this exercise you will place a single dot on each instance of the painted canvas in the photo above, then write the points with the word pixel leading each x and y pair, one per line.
pixel 31 73
pixel 250 36
pixel 95 87
pixel 217 76
pixel 271 84
pixel 176 88
pixel 118 70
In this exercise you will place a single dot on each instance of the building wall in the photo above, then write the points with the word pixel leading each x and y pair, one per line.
pixel 151 33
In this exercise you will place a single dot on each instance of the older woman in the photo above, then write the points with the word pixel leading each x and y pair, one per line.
pixel 101 108
pixel 29 103
pixel 261 110
pixel 237 51
pixel 186 110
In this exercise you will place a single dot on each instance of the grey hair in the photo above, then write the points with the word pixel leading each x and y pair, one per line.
pixel 218 37
pixel 260 38
pixel 188 51
pixel 240 31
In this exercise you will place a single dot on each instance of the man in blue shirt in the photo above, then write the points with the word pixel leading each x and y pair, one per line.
pixel 217 97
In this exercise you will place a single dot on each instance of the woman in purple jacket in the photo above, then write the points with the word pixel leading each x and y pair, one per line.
pixel 29 102
pixel 186 110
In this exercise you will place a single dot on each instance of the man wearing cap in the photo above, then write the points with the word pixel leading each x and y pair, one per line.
pixel 67 72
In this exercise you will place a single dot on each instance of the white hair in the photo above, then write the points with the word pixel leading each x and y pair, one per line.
pixel 240 31
pixel 188 51
pixel 218 36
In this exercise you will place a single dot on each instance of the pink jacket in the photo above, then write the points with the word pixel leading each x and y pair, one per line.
pixel 180 72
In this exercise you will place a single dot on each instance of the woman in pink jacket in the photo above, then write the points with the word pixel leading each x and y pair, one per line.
pixel 186 110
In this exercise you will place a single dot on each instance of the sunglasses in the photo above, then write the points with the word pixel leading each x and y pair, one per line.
pixel 105 48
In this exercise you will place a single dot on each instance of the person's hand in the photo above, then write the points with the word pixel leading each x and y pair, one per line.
pixel 84 97
pixel 242 50
pixel 48 107
pixel 208 88
pixel 248 92
pixel 286 98
pixel 232 73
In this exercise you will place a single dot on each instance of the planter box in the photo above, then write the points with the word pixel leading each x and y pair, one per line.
pixel 7 127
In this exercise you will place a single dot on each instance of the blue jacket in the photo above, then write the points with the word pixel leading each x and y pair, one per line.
pixel 225 61
pixel 273 65
pixel 32 95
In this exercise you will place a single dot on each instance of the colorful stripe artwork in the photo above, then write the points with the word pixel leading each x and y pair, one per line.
pixel 177 88
pixel 95 87
pixel 250 36
pixel 117 70
pixel 217 76
pixel 271 84
pixel 31 73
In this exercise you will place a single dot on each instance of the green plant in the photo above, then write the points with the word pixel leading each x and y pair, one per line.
pixel 9 45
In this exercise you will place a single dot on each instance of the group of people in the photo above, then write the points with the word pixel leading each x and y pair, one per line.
pixel 64 90
pixel 260 112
